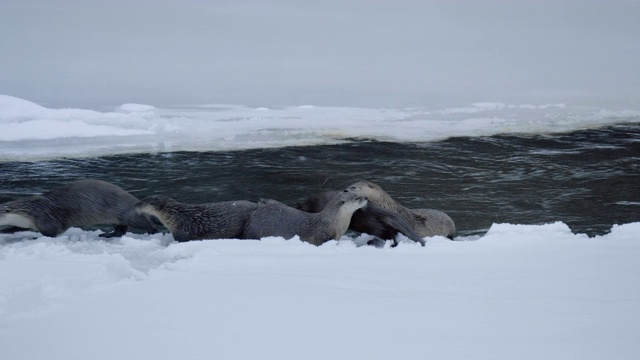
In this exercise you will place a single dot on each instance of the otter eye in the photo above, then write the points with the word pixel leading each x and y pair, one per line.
pixel 346 190
pixel 342 202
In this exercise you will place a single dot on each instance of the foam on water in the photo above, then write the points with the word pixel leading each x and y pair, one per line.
pixel 29 131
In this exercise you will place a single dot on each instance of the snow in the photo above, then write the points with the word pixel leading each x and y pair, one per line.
pixel 519 291
pixel 134 108
pixel 29 131
pixel 55 129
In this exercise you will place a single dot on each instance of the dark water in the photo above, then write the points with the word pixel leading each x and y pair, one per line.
pixel 588 179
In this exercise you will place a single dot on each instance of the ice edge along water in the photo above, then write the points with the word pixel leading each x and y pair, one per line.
pixel 32 132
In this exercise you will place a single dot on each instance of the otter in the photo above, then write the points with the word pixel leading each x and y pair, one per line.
pixel 221 220
pixel 370 219
pixel 424 222
pixel 273 218
pixel 79 203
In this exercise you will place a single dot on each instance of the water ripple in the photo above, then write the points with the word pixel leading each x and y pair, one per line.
pixel 588 179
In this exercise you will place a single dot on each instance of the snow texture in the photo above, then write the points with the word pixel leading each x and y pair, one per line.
pixel 520 291
pixel 31 132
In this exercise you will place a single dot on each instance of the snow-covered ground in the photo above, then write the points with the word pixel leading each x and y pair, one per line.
pixel 518 292
pixel 29 131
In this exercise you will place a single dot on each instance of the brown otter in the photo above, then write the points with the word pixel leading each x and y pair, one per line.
pixel 79 203
pixel 424 222
pixel 273 218
pixel 221 220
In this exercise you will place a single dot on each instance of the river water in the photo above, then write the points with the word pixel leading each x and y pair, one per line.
pixel 589 179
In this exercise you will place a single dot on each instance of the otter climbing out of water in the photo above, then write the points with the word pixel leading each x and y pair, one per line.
pixel 79 203
pixel 384 217
pixel 426 222
pixel 371 219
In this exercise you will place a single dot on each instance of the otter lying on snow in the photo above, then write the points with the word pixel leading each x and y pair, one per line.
pixel 79 203
pixel 424 222
pixel 325 217
pixel 221 220
pixel 247 220
pixel 273 218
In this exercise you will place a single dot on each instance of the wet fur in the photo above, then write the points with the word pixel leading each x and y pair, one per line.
pixel 274 218
pixel 426 222
pixel 221 220
pixel 413 223
pixel 79 203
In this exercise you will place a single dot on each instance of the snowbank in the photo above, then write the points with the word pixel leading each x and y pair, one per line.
pixel 29 131
pixel 520 291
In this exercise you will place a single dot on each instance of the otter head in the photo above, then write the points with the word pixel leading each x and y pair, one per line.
pixel 154 201
pixel 341 209
pixel 433 222
pixel 371 191
pixel 349 201
pixel 158 206
pixel 10 215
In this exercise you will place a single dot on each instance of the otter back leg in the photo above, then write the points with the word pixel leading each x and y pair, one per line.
pixel 180 235
pixel 118 230
pixel 50 226
pixel 377 242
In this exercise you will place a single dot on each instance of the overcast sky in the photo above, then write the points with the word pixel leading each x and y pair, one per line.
pixel 349 52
